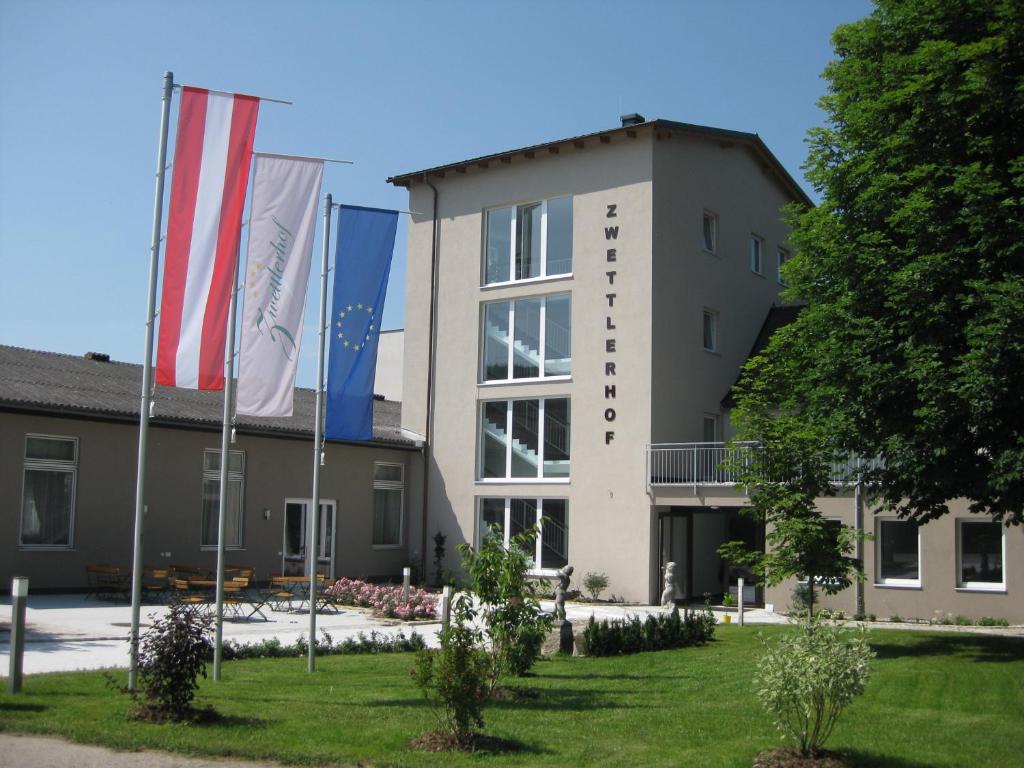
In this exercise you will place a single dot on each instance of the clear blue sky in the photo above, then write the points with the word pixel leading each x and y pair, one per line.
pixel 394 86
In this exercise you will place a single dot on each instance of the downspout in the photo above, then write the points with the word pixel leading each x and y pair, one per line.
pixel 858 524
pixel 429 437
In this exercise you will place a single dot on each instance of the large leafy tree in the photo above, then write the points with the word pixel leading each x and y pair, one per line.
pixel 911 344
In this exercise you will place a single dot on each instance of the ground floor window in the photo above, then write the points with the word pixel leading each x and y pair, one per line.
pixel 48 491
pixel 898 552
pixel 979 554
pixel 211 499
pixel 388 503
pixel 507 517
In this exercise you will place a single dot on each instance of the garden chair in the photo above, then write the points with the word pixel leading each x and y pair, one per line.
pixel 107 582
pixel 155 582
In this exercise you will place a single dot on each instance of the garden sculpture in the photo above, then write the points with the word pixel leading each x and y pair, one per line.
pixel 561 589
pixel 668 597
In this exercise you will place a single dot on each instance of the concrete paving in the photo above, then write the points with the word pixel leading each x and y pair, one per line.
pixel 69 632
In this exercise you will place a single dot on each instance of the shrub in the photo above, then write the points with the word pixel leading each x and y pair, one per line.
pixel 362 643
pixel 988 621
pixel 657 632
pixel 595 584
pixel 384 599
pixel 509 601
pixel 455 678
pixel 172 655
pixel 807 679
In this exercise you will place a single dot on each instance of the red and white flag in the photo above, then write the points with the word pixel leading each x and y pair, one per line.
pixel 212 155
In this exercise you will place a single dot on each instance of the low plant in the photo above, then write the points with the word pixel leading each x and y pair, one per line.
pixel 172 655
pixel 989 621
pixel 657 632
pixel 595 584
pixel 455 678
pixel 807 678
pixel 375 642
pixel 385 599
pixel 895 618
pixel 728 599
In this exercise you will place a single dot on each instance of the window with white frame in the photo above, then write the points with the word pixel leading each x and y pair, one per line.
pixel 508 517
pixel 783 257
pixel 710 330
pixel 709 232
pixel 388 503
pixel 211 499
pixel 528 241
pixel 756 255
pixel 527 338
pixel 980 555
pixel 898 552
pixel 48 492
pixel 524 439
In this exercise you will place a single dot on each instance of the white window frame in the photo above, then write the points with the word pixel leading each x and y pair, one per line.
pixel 712 314
pixel 389 485
pixel 881 581
pixel 757 267
pixel 49 465
pixel 211 474
pixel 510 359
pixel 711 216
pixel 506 526
pixel 782 255
pixel 512 244
pixel 978 586
pixel 508 479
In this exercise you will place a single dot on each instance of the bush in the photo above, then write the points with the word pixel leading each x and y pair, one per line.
pixel 807 679
pixel 988 621
pixel 657 632
pixel 455 678
pixel 595 584
pixel 172 655
pixel 362 643
pixel 385 600
pixel 509 601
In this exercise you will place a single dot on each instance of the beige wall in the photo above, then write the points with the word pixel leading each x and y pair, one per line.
pixel 388 378
pixel 276 469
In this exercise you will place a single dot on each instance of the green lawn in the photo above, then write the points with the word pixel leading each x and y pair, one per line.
pixel 934 700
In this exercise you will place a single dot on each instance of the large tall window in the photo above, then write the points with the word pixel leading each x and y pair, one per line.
pixel 48 491
pixel 524 439
pixel 388 503
pixel 898 550
pixel 528 241
pixel 211 499
pixel 507 517
pixel 979 554
pixel 541 338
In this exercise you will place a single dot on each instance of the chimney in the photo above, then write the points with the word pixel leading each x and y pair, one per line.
pixel 633 118
pixel 99 357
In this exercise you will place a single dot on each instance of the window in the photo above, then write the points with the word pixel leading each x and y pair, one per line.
pixel 541 338
pixel 709 229
pixel 507 517
pixel 711 431
pixel 528 241
pixel 756 255
pixel 48 492
pixel 898 552
pixel 980 555
pixel 783 256
pixel 211 499
pixel 539 443
pixel 710 330
pixel 388 503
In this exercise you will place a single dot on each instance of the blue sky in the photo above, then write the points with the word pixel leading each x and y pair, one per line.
pixel 394 86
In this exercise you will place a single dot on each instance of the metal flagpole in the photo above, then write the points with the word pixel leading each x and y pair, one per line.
pixel 225 465
pixel 313 517
pixel 147 379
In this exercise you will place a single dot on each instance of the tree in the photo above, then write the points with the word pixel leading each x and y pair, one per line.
pixel 911 343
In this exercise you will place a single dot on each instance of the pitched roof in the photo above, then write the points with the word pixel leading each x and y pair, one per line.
pixel 776 318
pixel 662 128
pixel 48 382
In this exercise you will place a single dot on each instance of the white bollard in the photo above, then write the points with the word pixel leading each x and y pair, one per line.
pixel 19 600
pixel 406 576
pixel 446 607
pixel 739 599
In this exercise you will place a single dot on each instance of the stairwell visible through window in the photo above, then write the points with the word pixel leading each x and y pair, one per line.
pixel 541 338
pixel 524 439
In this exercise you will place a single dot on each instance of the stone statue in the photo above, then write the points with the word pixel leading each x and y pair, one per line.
pixel 561 589
pixel 668 597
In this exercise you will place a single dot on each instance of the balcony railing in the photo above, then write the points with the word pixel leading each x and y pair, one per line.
pixel 721 463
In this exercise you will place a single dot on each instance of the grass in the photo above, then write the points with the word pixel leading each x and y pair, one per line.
pixel 934 700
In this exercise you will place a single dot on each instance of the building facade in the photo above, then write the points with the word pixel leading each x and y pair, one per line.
pixel 576 313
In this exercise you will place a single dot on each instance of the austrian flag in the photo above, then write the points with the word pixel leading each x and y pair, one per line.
pixel 212 154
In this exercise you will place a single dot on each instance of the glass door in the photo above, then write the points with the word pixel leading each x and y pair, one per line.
pixel 296 534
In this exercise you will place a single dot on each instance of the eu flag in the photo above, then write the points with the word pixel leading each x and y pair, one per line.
pixel 366 240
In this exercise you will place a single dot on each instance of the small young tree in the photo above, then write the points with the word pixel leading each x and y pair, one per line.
pixel 595 584
pixel 807 679
pixel 509 600
pixel 172 655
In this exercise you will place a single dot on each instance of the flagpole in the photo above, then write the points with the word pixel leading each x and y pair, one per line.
pixel 313 518
pixel 225 464
pixel 147 378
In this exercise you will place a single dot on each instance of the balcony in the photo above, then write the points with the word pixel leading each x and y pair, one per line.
pixel 720 464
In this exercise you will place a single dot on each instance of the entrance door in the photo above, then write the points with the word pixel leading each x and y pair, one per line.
pixel 296 534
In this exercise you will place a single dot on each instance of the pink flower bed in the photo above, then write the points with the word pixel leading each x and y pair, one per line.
pixel 385 600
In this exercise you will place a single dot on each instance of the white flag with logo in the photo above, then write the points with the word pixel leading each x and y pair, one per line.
pixel 283 219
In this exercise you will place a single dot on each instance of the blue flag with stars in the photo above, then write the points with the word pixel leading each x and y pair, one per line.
pixel 366 240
